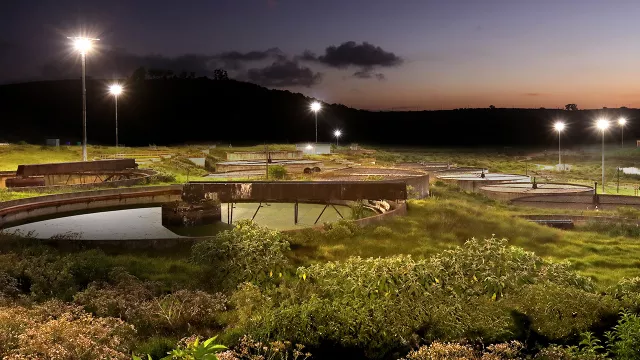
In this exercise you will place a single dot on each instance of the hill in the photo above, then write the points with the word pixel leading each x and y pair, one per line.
pixel 171 111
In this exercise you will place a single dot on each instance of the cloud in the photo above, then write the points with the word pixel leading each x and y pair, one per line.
pixel 234 60
pixel 368 74
pixel 284 73
pixel 350 53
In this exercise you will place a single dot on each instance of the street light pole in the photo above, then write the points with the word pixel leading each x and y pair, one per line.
pixel 315 107
pixel 84 108
pixel 83 45
pixel 116 90
pixel 602 124
pixel 603 161
pixel 116 97
pixel 622 122
pixel 559 126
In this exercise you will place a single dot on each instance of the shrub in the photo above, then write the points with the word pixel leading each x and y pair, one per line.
pixel 277 172
pixel 250 349
pixel 447 351
pixel 359 211
pixel 135 302
pixel 246 253
pixel 193 349
pixel 558 312
pixel 338 232
pixel 628 292
pixel 382 231
pixel 157 347
pixel 57 331
pixel 624 340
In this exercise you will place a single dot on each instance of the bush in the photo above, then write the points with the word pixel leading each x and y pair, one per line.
pixel 338 232
pixel 446 351
pixel 135 301
pixel 246 253
pixel 277 172
pixel 359 211
pixel 157 347
pixel 57 331
pixel 559 312
pixel 624 340
pixel 382 231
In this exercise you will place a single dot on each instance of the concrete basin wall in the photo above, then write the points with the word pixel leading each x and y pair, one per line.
pixel 579 201
pixel 21 211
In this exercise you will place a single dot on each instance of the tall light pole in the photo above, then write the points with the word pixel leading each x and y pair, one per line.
pixel 337 134
pixel 602 124
pixel 622 122
pixel 115 90
pixel 559 126
pixel 315 107
pixel 83 45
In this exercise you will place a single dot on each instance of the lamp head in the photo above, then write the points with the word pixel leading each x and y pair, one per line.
pixel 83 45
pixel 602 124
pixel 622 121
pixel 315 106
pixel 337 133
pixel 115 89
pixel 558 126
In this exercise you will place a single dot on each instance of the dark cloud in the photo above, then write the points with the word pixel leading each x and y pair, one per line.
pixel 234 60
pixel 350 53
pixel 284 73
pixel 368 74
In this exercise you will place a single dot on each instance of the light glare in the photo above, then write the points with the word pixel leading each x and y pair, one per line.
pixel 559 126
pixel 115 89
pixel 82 45
pixel 622 121
pixel 309 147
pixel 337 133
pixel 602 124
pixel 315 106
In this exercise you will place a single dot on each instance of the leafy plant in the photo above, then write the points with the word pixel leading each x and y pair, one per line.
pixel 277 172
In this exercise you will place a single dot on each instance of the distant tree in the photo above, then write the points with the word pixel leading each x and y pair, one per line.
pixel 167 74
pixel 220 74
pixel 139 75
pixel 542 108
pixel 623 107
pixel 192 75
pixel 571 107
pixel 492 107
pixel 604 107
pixel 183 75
pixel 155 73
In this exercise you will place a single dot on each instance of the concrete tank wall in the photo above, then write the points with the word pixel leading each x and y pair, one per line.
pixel 16 212
pixel 578 201
pixel 260 155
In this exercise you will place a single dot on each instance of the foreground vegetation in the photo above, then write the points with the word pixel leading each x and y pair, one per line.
pixel 459 277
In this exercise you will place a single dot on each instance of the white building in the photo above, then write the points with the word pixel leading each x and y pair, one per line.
pixel 312 148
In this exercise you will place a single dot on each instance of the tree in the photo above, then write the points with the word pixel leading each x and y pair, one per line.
pixel 155 73
pixel 139 75
pixel 492 107
pixel 220 74
pixel 571 107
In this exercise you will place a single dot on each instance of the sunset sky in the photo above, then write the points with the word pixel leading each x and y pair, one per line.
pixel 373 54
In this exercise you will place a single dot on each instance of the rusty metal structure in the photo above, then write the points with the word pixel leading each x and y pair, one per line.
pixel 294 191
pixel 70 173
pixel 114 165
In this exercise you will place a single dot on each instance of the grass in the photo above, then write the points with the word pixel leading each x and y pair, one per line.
pixel 432 225
pixel 437 224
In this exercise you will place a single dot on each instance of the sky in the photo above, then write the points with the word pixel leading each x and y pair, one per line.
pixel 371 54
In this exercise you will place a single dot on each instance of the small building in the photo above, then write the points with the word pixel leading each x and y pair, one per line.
pixel 53 142
pixel 312 148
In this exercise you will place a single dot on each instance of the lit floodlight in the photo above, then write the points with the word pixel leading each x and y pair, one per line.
pixel 337 133
pixel 83 45
pixel 115 89
pixel 602 124
pixel 559 126
pixel 622 121
pixel 309 147
pixel 315 106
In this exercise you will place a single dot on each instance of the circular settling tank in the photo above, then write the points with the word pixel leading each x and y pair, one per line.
pixel 473 181
pixel 510 191
pixel 146 223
